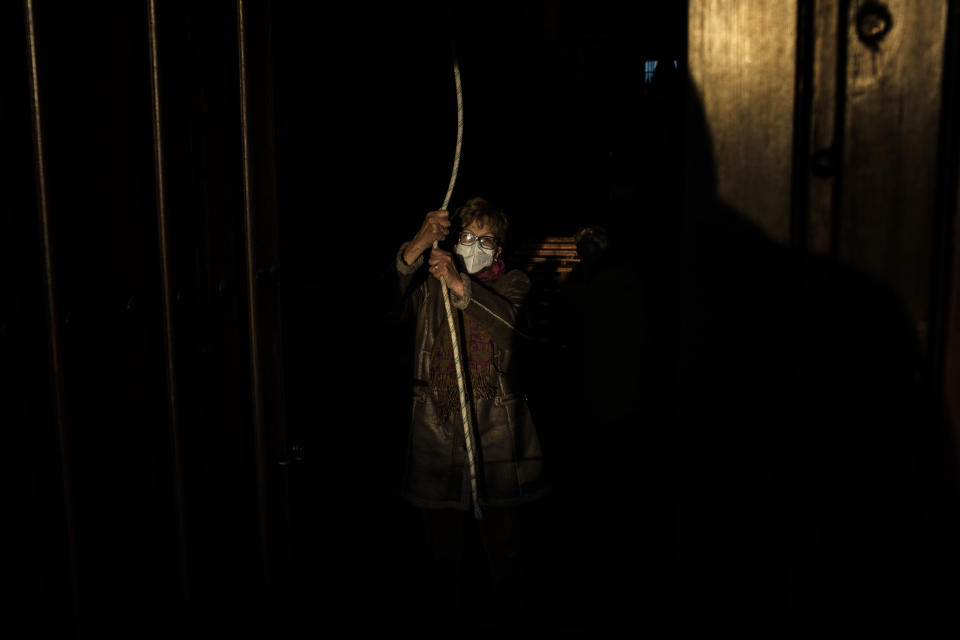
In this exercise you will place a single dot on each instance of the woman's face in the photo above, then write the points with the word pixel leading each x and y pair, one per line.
pixel 482 230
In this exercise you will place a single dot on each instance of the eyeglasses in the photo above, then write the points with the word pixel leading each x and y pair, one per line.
pixel 467 238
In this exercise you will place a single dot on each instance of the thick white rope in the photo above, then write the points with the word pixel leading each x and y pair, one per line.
pixel 457 362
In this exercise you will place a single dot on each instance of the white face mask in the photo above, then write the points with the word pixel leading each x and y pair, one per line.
pixel 475 257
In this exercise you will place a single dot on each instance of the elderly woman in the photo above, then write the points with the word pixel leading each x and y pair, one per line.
pixel 486 299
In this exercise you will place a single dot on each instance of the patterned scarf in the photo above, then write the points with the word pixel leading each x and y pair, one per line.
pixel 481 377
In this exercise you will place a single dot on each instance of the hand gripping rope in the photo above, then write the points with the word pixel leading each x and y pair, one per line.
pixel 457 361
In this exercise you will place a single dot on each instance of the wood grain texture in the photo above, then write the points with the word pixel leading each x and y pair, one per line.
pixel 742 58
pixel 892 127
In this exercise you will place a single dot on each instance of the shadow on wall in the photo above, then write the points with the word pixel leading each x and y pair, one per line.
pixel 740 429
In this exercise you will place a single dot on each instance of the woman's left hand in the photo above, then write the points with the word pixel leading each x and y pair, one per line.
pixel 442 268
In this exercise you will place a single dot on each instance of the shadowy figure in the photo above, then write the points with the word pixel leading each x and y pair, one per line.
pixel 801 475
pixel 597 374
pixel 741 437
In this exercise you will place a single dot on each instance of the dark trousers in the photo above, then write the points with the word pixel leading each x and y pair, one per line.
pixel 451 538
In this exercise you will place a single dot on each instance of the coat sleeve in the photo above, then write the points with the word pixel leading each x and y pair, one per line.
pixel 495 309
pixel 412 288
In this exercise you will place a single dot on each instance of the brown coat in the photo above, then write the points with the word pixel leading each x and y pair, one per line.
pixel 509 460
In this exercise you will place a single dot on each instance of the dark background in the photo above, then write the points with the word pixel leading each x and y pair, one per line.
pixel 204 393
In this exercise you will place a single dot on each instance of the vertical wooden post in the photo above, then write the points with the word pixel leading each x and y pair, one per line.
pixel 56 353
pixel 168 323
